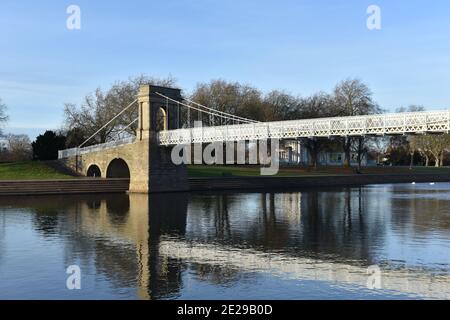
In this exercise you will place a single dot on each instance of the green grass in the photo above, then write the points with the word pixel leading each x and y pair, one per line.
pixel 201 171
pixel 32 170
pixel 35 170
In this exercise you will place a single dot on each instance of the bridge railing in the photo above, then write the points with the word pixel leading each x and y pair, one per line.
pixel 380 124
pixel 62 154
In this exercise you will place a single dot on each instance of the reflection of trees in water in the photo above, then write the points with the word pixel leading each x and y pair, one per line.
pixel 47 223
pixel 115 236
pixel 269 231
pixel 126 250
pixel 421 208
pixel 77 221
pixel 103 231
pixel 48 214
pixel 222 221
pixel 117 262
pixel 216 274
pixel 105 234
pixel 213 211
pixel 339 223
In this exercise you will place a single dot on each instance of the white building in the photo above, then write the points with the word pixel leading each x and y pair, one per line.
pixel 4 143
pixel 292 152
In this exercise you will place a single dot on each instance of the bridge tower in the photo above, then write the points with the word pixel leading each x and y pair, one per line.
pixel 157 113
pixel 154 170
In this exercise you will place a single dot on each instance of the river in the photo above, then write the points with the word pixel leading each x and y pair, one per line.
pixel 372 242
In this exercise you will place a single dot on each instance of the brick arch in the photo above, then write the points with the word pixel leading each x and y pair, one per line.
pixel 94 171
pixel 118 168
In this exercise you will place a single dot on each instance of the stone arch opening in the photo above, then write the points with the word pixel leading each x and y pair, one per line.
pixel 161 119
pixel 94 171
pixel 118 168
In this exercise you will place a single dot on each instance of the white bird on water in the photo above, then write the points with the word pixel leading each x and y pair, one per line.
pixel 413 183
pixel 432 184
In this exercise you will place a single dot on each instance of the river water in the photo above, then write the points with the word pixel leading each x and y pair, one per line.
pixel 373 242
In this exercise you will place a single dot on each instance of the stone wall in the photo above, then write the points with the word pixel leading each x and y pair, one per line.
pixel 150 165
pixel 275 183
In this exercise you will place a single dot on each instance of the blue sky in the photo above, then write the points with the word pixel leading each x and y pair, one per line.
pixel 300 46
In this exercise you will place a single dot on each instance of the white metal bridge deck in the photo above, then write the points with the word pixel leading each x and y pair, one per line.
pixel 380 124
pixel 375 125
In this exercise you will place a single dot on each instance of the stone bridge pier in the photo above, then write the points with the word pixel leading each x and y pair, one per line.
pixel 142 160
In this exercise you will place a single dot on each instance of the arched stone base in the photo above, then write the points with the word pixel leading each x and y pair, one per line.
pixel 150 167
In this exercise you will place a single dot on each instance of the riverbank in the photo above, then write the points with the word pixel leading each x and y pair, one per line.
pixel 308 182
pixel 235 184
pixel 34 170
pixel 39 178
pixel 203 171
pixel 53 170
pixel 61 187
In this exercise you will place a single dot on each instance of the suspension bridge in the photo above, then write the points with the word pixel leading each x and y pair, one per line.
pixel 144 158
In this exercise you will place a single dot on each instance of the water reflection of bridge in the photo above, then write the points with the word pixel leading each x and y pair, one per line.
pixel 148 241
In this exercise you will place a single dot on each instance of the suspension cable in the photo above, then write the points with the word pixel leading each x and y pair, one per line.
pixel 222 112
pixel 118 115
pixel 133 122
pixel 231 117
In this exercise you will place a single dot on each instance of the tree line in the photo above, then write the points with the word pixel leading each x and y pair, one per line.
pixel 350 97
pixel 13 147
pixel 413 150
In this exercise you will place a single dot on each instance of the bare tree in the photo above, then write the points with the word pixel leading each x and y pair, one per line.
pixel 99 108
pixel 91 116
pixel 230 97
pixel 360 147
pixel 412 143
pixel 319 105
pixel 280 105
pixel 20 147
pixel 379 145
pixel 17 148
pixel 437 146
pixel 122 93
pixel 3 116
pixel 314 147
pixel 422 144
pixel 353 98
pixel 428 146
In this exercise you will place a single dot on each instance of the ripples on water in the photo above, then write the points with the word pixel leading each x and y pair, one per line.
pixel 302 245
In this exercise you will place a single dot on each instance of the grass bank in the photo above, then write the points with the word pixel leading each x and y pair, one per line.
pixel 35 170
pixel 32 170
